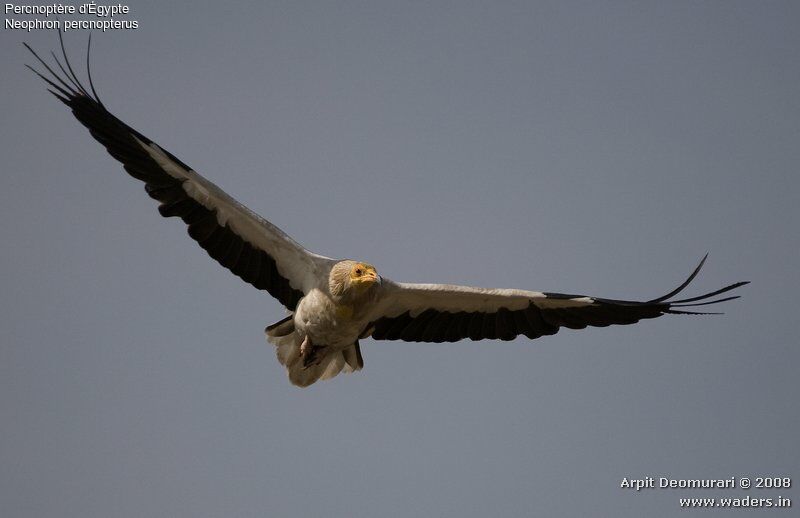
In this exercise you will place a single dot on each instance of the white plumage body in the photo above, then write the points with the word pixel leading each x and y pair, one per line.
pixel 331 325
pixel 328 323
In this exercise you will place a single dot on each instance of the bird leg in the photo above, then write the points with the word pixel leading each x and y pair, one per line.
pixel 306 346
pixel 309 352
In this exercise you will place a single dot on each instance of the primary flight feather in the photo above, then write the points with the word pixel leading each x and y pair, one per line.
pixel 334 303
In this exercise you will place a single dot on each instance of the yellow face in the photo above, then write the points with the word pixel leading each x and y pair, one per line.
pixel 363 275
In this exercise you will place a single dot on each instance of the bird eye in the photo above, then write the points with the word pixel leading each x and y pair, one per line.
pixel 358 271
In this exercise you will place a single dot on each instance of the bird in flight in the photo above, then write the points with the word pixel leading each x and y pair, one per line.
pixel 335 303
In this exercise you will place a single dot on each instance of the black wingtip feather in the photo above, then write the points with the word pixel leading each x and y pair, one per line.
pixel 680 312
pixel 726 299
pixel 60 98
pixel 711 294
pixel 693 301
pixel 682 286
pixel 67 88
pixel 89 71
pixel 63 71
pixel 71 88
pixel 65 93
pixel 69 65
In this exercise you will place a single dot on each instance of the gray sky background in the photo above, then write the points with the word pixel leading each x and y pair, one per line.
pixel 580 147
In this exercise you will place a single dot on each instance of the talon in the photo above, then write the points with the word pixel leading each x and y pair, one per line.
pixel 312 358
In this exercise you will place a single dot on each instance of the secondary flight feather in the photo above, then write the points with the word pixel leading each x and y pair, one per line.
pixel 335 303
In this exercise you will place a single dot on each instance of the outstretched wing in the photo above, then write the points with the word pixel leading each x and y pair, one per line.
pixel 240 240
pixel 445 313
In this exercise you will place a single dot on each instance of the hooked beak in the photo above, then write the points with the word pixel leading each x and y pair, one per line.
pixel 367 279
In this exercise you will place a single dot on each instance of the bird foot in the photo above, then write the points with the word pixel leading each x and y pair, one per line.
pixel 310 353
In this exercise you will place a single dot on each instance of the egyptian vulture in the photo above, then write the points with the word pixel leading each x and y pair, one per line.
pixel 335 303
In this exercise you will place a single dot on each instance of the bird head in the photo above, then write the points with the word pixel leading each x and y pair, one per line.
pixel 352 278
